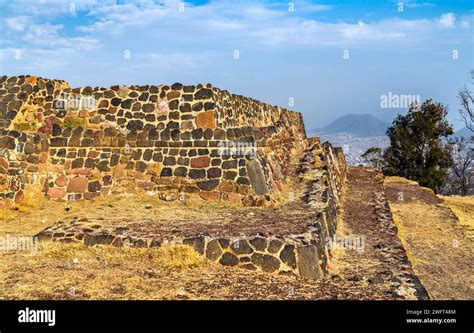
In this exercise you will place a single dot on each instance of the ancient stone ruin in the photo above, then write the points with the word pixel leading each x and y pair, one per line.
pixel 179 143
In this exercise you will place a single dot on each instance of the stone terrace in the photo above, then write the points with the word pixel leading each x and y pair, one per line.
pixel 176 143
pixel 289 239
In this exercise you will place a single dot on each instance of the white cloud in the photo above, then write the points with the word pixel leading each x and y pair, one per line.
pixel 17 23
pixel 270 24
pixel 265 23
pixel 40 31
pixel 447 20
pixel 146 26
pixel 282 53
pixel 385 33
pixel 47 35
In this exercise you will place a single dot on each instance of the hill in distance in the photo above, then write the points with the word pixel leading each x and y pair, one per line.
pixel 364 125
pixel 464 132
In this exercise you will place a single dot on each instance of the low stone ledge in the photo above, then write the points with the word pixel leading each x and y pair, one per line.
pixel 286 254
pixel 277 250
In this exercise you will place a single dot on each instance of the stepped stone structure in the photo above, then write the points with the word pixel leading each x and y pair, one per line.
pixel 180 143
pixel 177 140
pixel 272 244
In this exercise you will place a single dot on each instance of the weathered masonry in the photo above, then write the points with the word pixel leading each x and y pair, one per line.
pixel 273 245
pixel 178 143
pixel 193 141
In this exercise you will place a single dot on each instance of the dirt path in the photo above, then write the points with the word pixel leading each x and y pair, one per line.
pixel 438 245
pixel 382 269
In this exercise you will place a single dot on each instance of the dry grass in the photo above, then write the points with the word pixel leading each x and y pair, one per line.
pixel 74 271
pixel 179 257
pixel 32 199
pixel 35 212
pixel 396 179
pixel 34 204
pixel 175 256
pixel 101 272
pixel 463 208
pixel 402 233
pixel 438 245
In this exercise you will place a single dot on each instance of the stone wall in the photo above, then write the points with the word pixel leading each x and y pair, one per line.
pixel 304 253
pixel 177 142
pixel 180 141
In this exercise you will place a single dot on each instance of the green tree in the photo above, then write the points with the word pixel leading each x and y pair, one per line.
pixel 416 150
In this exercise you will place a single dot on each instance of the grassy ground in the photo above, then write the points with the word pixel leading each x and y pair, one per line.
pixel 463 208
pixel 76 272
pixel 38 212
pixel 436 231
pixel 73 271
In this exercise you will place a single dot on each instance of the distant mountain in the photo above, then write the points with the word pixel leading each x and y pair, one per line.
pixel 363 125
pixel 464 132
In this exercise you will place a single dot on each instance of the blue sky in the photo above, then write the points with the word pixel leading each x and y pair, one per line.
pixel 288 51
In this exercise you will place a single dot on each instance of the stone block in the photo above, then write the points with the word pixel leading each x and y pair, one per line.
pixel 208 185
pixel 258 243
pixel 241 247
pixel 205 120
pixel 214 250
pixel 266 262
pixel 257 177
pixel 200 162
pixel 275 246
pixel 77 185
pixel 287 255
pixel 308 262
pixel 198 243
pixel 56 193
pixel 229 259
